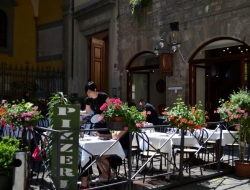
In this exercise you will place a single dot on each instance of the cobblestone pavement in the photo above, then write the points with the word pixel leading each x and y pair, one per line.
pixel 230 181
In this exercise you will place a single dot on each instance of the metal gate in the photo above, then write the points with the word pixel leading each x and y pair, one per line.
pixel 39 81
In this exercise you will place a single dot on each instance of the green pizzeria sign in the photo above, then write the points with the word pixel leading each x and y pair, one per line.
pixel 65 146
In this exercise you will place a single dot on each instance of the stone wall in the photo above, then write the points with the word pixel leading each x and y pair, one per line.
pixel 223 19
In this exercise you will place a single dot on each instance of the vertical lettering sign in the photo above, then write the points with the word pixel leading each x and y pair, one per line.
pixel 65 156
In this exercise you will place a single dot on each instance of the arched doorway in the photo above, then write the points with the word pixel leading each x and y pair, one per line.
pixel 218 68
pixel 144 80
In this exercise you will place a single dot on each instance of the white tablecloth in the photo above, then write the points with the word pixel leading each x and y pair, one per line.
pixel 157 139
pixel 97 147
pixel 226 137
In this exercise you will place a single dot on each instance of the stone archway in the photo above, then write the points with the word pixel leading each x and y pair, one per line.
pixel 217 68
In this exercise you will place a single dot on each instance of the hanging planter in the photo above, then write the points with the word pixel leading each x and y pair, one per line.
pixel 138 9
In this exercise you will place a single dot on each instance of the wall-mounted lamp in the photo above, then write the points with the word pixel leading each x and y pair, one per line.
pixel 156 50
pixel 35 4
pixel 162 40
pixel 172 38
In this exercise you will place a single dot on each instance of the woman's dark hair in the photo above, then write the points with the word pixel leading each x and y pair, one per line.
pixel 90 86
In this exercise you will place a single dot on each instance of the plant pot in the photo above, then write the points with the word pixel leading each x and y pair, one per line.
pixel 6 182
pixel 116 119
pixel 115 125
pixel 242 169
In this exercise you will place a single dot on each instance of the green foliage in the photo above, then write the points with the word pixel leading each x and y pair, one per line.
pixel 137 8
pixel 241 98
pixel 185 116
pixel 134 119
pixel 236 111
pixel 57 99
pixel 8 146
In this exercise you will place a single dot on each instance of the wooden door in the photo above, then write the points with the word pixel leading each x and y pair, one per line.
pixel 98 63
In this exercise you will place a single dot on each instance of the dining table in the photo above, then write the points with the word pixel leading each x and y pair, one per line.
pixel 93 146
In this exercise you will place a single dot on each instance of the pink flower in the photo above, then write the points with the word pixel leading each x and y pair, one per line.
pixel 3 101
pixel 112 100
pixel 139 125
pixel 100 117
pixel 103 107
pixel 118 101
pixel 237 127
pixel 26 118
pixel 117 107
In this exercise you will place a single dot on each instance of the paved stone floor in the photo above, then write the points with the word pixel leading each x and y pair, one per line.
pixel 229 181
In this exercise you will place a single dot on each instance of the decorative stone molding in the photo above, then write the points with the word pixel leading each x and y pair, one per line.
pixel 92 6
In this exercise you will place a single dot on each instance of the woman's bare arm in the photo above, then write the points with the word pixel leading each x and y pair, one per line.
pixel 86 111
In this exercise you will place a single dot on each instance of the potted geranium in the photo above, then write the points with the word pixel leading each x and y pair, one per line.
pixel 21 115
pixel 235 111
pixel 186 117
pixel 129 117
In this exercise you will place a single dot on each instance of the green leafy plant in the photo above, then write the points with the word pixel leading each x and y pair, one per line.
pixel 57 99
pixel 235 111
pixel 137 8
pixel 8 146
pixel 185 116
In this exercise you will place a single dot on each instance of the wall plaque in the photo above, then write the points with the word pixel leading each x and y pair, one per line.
pixel 166 64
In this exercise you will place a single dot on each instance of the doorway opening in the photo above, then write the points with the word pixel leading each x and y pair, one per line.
pixel 218 68
pixel 144 80
pixel 98 62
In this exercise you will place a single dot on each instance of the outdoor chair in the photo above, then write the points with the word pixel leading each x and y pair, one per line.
pixel 147 152
pixel 231 147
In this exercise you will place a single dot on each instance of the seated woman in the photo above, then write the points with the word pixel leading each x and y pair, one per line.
pixel 85 175
pixel 123 137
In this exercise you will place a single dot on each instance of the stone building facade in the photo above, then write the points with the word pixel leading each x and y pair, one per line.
pixel 199 23
pixel 205 28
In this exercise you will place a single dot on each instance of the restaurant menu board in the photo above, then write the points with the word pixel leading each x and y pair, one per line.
pixel 64 157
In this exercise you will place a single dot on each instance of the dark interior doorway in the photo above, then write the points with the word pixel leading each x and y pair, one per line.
pixel 218 73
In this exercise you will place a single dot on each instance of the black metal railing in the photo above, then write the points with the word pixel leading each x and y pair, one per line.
pixel 43 170
pixel 39 81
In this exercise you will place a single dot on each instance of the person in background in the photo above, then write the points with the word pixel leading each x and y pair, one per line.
pixel 153 116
